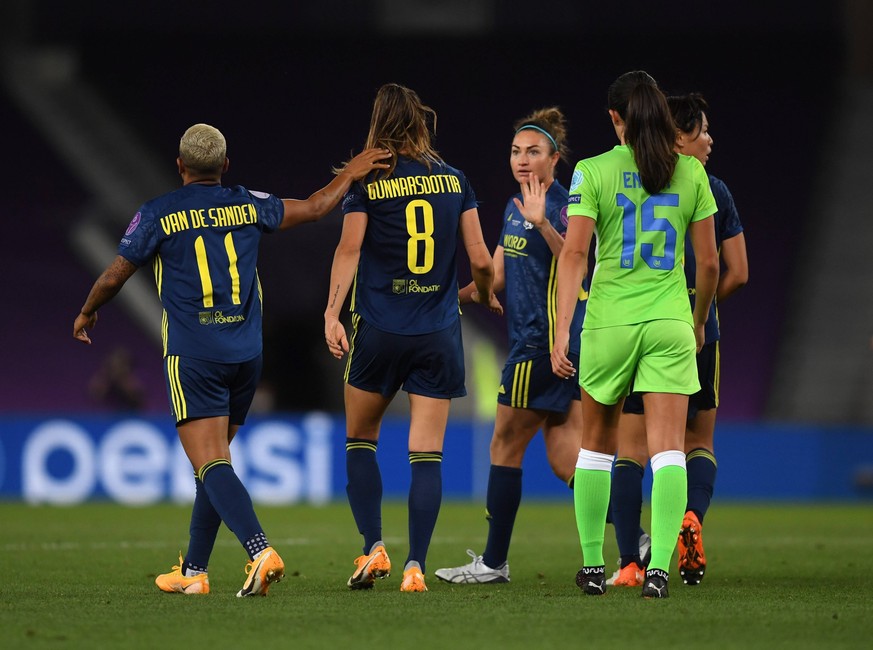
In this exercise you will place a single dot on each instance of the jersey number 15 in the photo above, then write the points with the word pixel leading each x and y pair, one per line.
pixel 648 223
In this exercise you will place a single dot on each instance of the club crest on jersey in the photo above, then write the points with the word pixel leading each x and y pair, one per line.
pixel 133 224
pixel 398 286
pixel 206 318
pixel 528 225
pixel 577 179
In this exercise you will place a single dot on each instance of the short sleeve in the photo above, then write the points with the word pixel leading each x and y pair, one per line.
pixel 139 243
pixel 705 204
pixel 355 200
pixel 584 199
pixel 728 218
pixel 271 210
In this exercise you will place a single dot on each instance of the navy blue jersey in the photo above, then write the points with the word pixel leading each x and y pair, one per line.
pixel 202 241
pixel 406 282
pixel 531 273
pixel 727 225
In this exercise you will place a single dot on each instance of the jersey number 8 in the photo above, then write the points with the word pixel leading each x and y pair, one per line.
pixel 416 236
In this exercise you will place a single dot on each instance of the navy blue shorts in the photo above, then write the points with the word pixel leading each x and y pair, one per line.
pixel 207 389
pixel 430 364
pixel 531 384
pixel 708 373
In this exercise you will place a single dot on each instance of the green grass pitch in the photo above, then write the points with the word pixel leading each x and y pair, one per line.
pixel 779 576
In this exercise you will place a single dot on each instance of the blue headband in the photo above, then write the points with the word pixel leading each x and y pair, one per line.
pixel 543 131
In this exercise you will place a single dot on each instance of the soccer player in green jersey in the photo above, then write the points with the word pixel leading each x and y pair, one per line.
pixel 692 138
pixel 640 198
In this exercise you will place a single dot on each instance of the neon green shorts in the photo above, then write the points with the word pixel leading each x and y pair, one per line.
pixel 657 356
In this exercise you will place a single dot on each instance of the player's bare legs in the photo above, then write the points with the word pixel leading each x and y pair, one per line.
pixel 514 428
pixel 632 442
pixel 364 412
pixel 206 439
pixel 700 431
pixel 428 419
pixel 562 433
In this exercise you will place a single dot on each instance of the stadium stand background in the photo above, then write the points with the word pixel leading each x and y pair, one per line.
pixel 96 95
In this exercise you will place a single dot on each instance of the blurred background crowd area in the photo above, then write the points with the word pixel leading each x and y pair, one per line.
pixel 96 95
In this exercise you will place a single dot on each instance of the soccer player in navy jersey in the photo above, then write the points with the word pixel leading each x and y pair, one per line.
pixel 692 139
pixel 202 243
pixel 530 396
pixel 397 257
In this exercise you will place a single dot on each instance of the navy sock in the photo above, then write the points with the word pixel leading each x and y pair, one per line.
pixel 626 503
pixel 501 503
pixel 231 500
pixel 205 522
pixel 364 489
pixel 701 467
pixel 425 497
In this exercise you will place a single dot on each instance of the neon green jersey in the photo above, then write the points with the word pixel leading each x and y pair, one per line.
pixel 640 251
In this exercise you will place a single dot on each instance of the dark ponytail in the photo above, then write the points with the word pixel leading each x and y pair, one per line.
pixel 649 127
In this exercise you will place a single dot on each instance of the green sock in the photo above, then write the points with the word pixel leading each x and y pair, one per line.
pixel 591 500
pixel 669 485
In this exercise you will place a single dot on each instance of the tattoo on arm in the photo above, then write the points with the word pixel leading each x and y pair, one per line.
pixel 335 294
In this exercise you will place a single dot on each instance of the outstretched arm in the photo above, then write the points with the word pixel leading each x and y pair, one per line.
pixel 342 274
pixel 324 200
pixel 107 285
